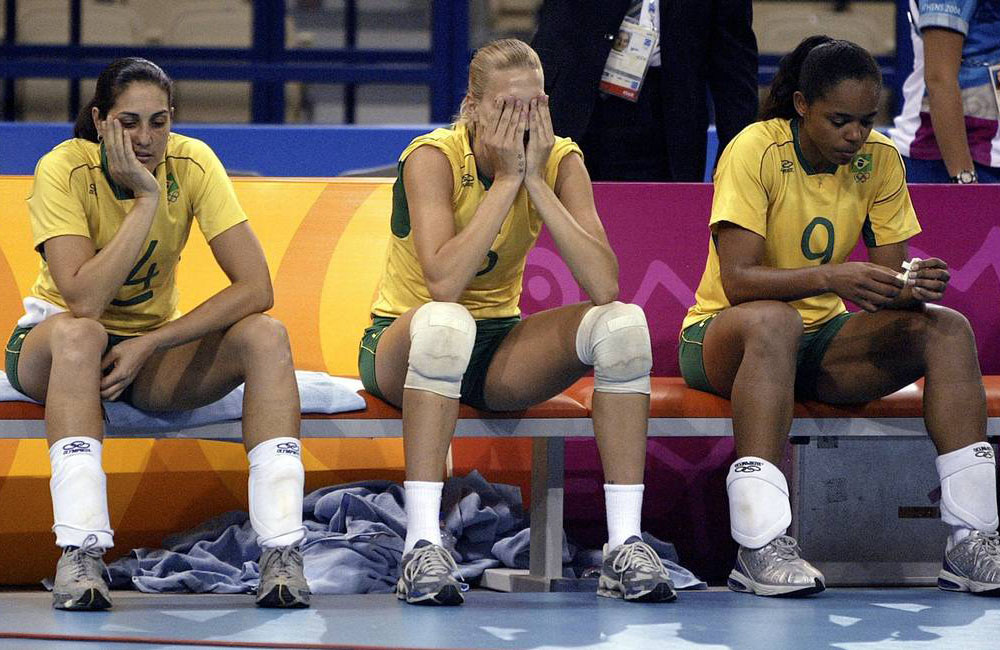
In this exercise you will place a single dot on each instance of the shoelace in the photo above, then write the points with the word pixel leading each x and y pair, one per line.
pixel 284 561
pixel 991 544
pixel 88 549
pixel 637 555
pixel 785 547
pixel 432 560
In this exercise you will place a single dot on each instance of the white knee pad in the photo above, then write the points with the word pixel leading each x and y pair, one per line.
pixel 277 481
pixel 441 339
pixel 758 502
pixel 614 339
pixel 969 487
pixel 79 492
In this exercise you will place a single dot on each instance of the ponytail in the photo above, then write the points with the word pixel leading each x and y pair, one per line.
pixel 817 64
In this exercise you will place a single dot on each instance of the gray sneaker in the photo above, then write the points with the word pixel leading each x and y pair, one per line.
pixel 973 565
pixel 428 577
pixel 775 570
pixel 634 572
pixel 79 580
pixel 282 582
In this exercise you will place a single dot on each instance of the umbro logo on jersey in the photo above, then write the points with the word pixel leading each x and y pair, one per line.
pixel 76 447
pixel 747 466
pixel 787 166
pixel 467 180
pixel 288 448
pixel 984 452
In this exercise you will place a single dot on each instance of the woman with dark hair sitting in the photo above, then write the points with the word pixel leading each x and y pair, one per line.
pixel 111 210
pixel 793 193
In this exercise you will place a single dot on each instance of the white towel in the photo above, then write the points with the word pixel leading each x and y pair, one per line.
pixel 318 393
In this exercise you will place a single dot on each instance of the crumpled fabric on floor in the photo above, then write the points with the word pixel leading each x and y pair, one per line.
pixel 354 542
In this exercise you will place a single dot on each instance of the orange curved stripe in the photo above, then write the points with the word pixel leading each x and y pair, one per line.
pixel 298 283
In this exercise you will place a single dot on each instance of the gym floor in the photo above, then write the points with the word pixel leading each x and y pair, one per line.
pixel 715 618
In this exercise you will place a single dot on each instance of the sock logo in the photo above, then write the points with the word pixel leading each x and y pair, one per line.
pixel 288 448
pixel 748 466
pixel 76 447
pixel 985 451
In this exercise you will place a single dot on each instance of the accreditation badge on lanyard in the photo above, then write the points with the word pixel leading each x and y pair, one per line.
pixel 630 53
pixel 995 83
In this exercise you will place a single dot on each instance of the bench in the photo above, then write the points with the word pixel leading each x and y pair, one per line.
pixel 318 232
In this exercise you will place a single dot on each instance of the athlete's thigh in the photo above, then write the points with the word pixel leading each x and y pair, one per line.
pixel 35 360
pixel 187 376
pixel 871 356
pixel 536 360
pixel 725 340
pixel 392 356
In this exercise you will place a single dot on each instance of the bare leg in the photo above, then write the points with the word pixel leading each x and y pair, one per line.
pixel 428 418
pixel 749 354
pixel 876 354
pixel 60 365
pixel 538 359
pixel 254 350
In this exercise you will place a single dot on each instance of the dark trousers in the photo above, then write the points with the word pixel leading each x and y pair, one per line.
pixel 625 141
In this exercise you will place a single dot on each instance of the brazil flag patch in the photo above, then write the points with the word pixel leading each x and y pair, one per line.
pixel 861 165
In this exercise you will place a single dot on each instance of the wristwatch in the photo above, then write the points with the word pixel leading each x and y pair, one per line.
pixel 965 177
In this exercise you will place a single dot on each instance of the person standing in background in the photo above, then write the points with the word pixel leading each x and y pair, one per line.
pixel 948 129
pixel 660 134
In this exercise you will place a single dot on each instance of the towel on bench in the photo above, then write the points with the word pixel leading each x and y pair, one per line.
pixel 353 544
pixel 318 393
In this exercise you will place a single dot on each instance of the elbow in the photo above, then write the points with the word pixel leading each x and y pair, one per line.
pixel 605 294
pixel 81 307
pixel 265 297
pixel 735 293
pixel 443 291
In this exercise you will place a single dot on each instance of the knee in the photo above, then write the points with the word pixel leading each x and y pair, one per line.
pixel 772 324
pixel 442 335
pixel 259 336
pixel 78 340
pixel 944 323
pixel 614 339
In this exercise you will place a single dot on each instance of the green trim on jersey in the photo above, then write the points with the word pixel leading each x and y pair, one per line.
pixel 806 167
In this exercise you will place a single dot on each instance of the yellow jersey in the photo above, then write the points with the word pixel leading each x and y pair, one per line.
pixel 806 216
pixel 73 195
pixel 495 290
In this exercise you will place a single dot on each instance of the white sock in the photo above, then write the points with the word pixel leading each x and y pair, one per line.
pixel 79 493
pixel 276 485
pixel 968 490
pixel 423 513
pixel 759 510
pixel 624 506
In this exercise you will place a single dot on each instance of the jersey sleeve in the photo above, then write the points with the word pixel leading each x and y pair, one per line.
pixel 54 208
pixel 891 217
pixel 740 189
pixel 949 14
pixel 214 201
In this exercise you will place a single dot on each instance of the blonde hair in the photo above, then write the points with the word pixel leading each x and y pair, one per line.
pixel 501 54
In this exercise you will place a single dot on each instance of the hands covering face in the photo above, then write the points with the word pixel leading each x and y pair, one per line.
pixel 517 137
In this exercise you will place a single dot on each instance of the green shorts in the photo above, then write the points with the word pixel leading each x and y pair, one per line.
pixel 490 333
pixel 12 354
pixel 812 348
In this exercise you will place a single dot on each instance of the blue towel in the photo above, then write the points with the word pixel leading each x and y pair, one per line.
pixel 354 542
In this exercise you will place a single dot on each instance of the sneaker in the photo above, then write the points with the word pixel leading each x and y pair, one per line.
pixel 282 582
pixel 428 577
pixel 775 570
pixel 634 572
pixel 79 580
pixel 973 564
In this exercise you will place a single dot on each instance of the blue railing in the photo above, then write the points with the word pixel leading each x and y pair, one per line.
pixel 267 64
